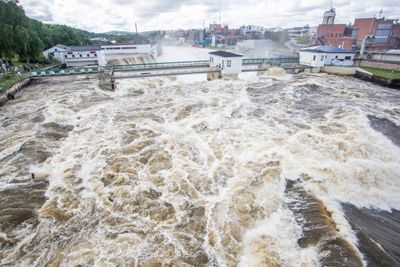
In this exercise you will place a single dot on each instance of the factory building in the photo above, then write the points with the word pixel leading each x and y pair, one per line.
pixel 96 55
pixel 385 32
pixel 79 56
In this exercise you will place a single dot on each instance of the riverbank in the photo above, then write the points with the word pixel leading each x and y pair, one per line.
pixel 379 76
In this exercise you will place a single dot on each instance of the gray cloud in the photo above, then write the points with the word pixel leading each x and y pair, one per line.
pixel 105 15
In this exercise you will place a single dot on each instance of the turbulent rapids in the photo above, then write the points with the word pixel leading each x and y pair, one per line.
pixel 162 172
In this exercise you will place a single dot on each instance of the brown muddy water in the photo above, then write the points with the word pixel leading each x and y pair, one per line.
pixel 298 171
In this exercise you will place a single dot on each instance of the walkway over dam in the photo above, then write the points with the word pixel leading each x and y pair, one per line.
pixel 167 68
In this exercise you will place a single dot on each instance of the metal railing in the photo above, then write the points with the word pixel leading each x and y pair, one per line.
pixel 9 79
pixel 270 61
pixel 66 71
pixel 156 65
pixel 144 66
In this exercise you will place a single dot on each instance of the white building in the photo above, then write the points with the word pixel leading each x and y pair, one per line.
pixel 79 56
pixel 181 40
pixel 254 44
pixel 227 62
pixel 319 56
pixel 56 51
pixel 301 31
pixel 251 29
pixel 95 55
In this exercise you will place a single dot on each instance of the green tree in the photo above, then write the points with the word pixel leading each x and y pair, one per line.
pixel 27 38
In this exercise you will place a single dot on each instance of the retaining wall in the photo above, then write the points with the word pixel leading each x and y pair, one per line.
pixel 363 75
pixel 10 93
pixel 387 65
pixel 339 70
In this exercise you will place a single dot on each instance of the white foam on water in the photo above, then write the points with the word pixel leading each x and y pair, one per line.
pixel 273 241
pixel 156 153
pixel 10 150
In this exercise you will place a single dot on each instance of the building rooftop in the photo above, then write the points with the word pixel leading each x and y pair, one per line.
pixel 86 48
pixel 224 54
pixel 326 49
pixel 62 46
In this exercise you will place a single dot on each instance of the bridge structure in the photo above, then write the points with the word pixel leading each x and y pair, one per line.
pixel 165 68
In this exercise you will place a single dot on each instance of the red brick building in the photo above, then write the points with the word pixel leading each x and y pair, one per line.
pixel 336 35
pixel 383 30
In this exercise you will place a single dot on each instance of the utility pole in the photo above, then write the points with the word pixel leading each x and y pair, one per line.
pixel 137 35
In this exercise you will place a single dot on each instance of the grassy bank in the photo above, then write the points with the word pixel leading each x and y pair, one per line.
pixel 6 83
pixel 390 74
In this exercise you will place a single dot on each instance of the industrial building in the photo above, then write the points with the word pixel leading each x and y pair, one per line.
pixel 96 55
pixel 381 33
pixel 338 35
pixel 385 32
pixel 78 56
pixel 319 56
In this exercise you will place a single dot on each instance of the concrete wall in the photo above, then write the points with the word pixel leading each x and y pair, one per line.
pixel 377 64
pixel 10 93
pixel 339 70
pixel 395 83
pixel 381 56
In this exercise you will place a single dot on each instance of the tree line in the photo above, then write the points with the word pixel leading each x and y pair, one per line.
pixel 27 38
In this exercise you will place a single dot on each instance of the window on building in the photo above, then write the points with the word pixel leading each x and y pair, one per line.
pixel 65 56
pixel 322 57
pixel 347 57
pixel 73 55
pixel 80 55
pixel 88 55
pixel 314 57
pixel 228 63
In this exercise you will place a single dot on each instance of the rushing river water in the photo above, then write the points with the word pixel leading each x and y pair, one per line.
pixel 300 171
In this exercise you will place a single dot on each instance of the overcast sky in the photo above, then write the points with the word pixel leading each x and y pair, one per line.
pixel 108 15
